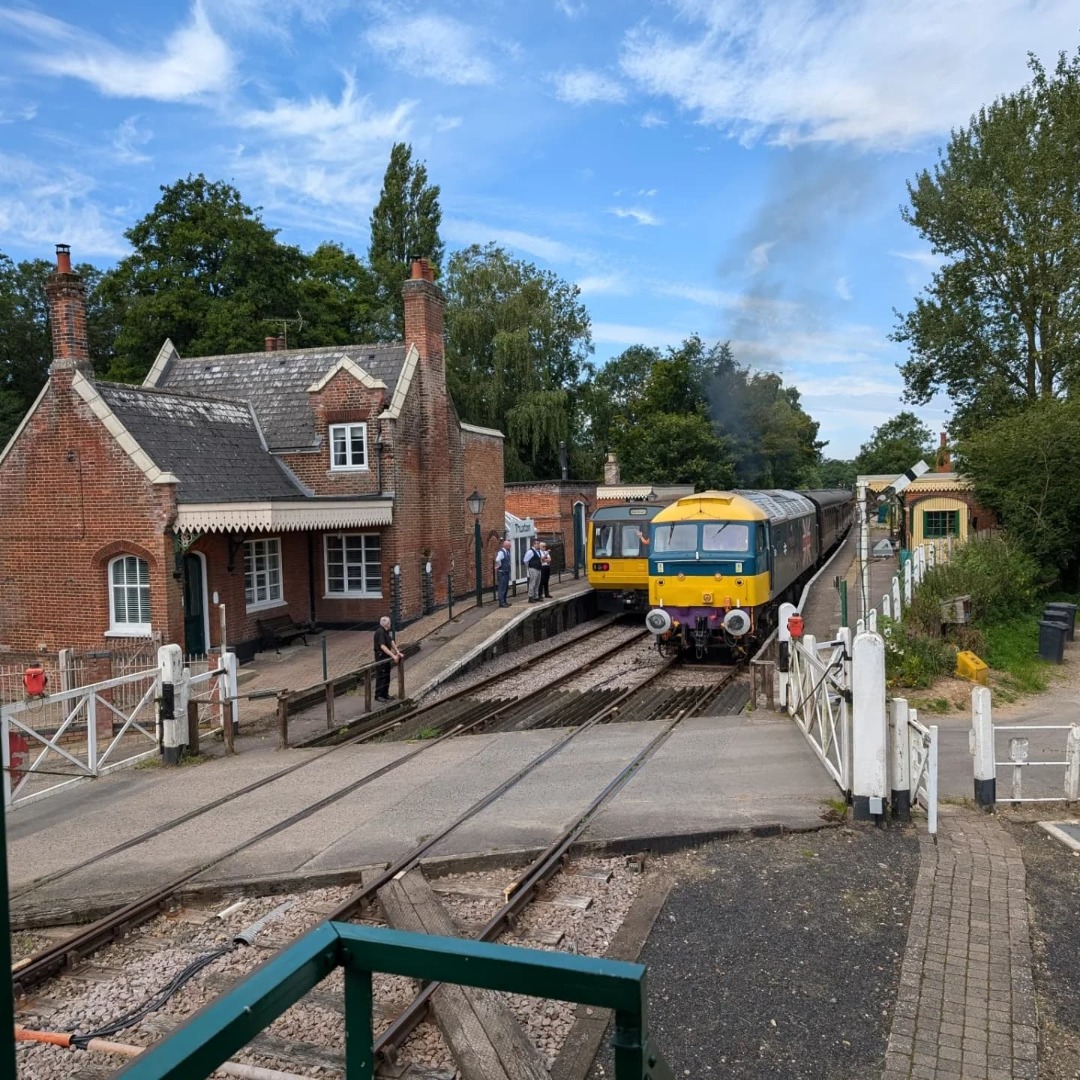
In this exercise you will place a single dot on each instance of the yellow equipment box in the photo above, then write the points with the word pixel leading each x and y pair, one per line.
pixel 969 666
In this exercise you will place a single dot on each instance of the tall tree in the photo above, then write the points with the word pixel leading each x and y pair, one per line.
pixel 337 298
pixel 517 340
pixel 206 272
pixel 895 446
pixel 999 325
pixel 404 226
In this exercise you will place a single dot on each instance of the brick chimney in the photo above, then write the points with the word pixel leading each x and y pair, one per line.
pixel 611 470
pixel 424 304
pixel 270 343
pixel 943 460
pixel 67 317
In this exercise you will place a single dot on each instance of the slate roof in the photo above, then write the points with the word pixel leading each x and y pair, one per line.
pixel 212 446
pixel 275 383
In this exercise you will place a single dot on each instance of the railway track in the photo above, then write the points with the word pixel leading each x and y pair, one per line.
pixel 67 953
pixel 539 873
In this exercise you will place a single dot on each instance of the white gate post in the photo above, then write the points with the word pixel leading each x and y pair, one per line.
pixel 783 665
pixel 886 606
pixel 228 662
pixel 871 621
pixel 982 747
pixel 5 754
pixel 901 760
pixel 864 546
pixel 845 711
pixel 931 782
pixel 171 673
pixel 907 582
pixel 898 611
pixel 1072 768
pixel 860 626
pixel 65 661
pixel 869 728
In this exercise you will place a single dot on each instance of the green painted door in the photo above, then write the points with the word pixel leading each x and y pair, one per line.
pixel 194 609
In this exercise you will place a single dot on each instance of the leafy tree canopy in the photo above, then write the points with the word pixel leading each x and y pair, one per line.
pixel 1023 467
pixel 517 338
pixel 999 325
pixel 337 298
pixel 404 226
pixel 895 446
pixel 205 272
pixel 835 473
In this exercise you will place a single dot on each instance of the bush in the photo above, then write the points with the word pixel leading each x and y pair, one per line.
pixel 913 659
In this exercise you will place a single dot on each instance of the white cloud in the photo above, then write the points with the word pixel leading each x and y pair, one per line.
pixel 194 60
pixel 14 113
pixel 652 119
pixel 435 46
pixel 648 193
pixel 446 123
pixel 885 73
pixel 635 213
pixel 603 284
pixel 570 9
pixel 758 259
pixel 584 87
pixel 626 334
pixel 464 231
pixel 127 141
pixel 843 289
pixel 42 206
pixel 926 259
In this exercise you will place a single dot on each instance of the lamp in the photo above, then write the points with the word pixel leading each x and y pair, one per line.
pixel 476 508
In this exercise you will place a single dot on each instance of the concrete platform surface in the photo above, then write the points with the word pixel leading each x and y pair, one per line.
pixel 711 775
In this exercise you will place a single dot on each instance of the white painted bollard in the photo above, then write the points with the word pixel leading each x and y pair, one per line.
pixel 886 606
pixel 171 674
pixel 901 760
pixel 982 747
pixel 869 728
pixel 1072 767
pixel 231 689
pixel 860 626
pixel 871 621
pixel 907 583
pixel 898 611
pixel 783 665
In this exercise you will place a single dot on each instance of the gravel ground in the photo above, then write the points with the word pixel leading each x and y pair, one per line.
pixel 123 975
pixel 781 957
pixel 1053 888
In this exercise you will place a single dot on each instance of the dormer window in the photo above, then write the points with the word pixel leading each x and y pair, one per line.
pixel 348 447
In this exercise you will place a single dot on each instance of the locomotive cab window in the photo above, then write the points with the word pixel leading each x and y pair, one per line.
pixel 726 536
pixel 631 544
pixel 604 542
pixel 678 536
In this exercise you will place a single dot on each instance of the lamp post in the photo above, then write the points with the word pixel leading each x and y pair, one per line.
pixel 476 508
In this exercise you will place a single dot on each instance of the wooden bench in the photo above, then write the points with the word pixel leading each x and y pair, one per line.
pixel 281 629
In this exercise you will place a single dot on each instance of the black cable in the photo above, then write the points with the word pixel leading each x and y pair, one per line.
pixel 81 1041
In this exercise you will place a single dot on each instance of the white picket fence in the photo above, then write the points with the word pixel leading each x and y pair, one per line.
pixel 51 742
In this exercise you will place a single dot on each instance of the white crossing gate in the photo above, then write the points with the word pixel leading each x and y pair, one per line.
pixel 914 763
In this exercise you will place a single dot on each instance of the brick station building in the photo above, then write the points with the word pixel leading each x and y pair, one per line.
pixel 314 483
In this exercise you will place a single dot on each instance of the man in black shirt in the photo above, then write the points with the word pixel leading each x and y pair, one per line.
pixel 387 654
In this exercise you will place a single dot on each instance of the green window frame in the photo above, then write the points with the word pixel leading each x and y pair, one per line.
pixel 938 524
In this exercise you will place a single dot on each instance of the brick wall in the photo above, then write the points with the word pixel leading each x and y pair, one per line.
pixel 70 500
pixel 551 506
pixel 483 472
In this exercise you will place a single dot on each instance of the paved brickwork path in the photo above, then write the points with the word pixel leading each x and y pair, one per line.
pixel 966 1004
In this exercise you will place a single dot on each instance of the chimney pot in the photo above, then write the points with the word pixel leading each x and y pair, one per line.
pixel 270 343
pixel 417 270
pixel 282 344
pixel 63 258
pixel 943 440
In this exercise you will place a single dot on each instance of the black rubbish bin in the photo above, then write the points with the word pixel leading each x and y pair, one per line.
pixel 1062 607
pixel 1060 618
pixel 1052 641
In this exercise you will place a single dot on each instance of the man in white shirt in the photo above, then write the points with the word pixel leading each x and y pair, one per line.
pixel 502 573
pixel 532 568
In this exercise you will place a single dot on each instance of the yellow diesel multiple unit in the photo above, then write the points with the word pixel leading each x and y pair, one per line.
pixel 617 556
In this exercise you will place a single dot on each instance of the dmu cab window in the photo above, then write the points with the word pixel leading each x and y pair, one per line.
pixel 604 542
pixel 631 545
pixel 678 536
pixel 726 536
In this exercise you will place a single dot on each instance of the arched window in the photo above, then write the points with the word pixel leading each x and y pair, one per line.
pixel 129 596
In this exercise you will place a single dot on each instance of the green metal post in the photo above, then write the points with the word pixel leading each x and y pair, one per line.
pixel 477 542
pixel 359 1055
pixel 843 603
pixel 7 991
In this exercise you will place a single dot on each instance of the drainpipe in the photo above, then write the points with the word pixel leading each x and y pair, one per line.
pixel 378 461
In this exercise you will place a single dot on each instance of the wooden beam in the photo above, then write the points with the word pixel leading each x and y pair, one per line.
pixel 486 1041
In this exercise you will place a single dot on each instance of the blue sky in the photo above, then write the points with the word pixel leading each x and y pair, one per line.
pixel 733 168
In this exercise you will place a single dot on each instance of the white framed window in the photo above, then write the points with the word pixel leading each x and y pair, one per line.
pixel 129 596
pixel 353 564
pixel 262 573
pixel 348 446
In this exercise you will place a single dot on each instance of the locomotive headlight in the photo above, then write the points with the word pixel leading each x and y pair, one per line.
pixel 658 621
pixel 737 622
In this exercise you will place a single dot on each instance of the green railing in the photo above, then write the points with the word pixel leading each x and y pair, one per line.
pixel 228 1024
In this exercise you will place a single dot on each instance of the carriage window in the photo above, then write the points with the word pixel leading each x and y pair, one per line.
pixel 604 541
pixel 631 542
pixel 679 536
pixel 726 536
